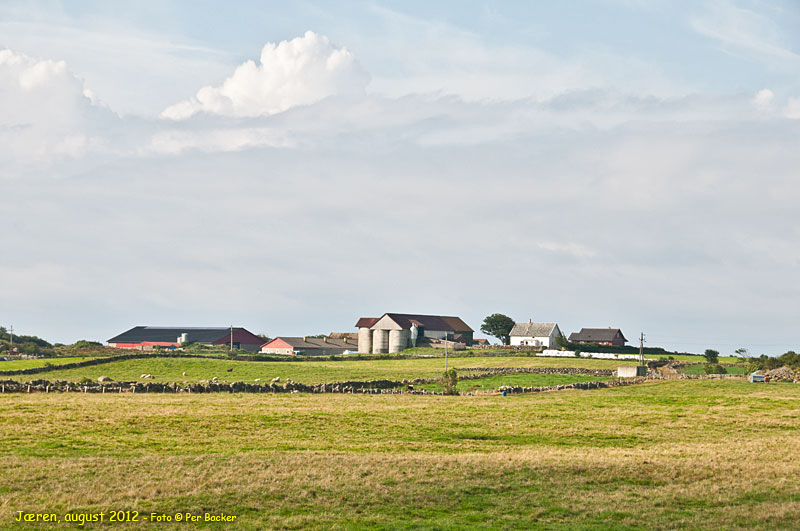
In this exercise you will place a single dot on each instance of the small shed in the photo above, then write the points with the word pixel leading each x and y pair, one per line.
pixel 630 371
pixel 756 377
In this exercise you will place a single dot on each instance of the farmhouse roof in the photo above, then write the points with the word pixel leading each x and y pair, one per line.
pixel 530 329
pixel 366 322
pixel 596 335
pixel 316 342
pixel 430 322
pixel 163 334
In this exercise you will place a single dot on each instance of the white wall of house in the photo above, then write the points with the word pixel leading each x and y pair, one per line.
pixel 276 350
pixel 530 341
pixel 520 341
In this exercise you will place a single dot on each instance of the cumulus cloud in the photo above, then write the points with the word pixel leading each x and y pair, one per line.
pixel 763 99
pixel 793 108
pixel 297 72
pixel 46 113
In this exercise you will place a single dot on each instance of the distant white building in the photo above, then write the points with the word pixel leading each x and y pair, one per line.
pixel 532 334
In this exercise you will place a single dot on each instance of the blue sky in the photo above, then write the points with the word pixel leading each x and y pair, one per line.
pixel 292 167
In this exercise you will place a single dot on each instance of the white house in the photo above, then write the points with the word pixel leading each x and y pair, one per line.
pixel 532 334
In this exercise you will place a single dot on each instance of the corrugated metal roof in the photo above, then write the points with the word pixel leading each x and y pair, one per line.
pixel 366 322
pixel 430 322
pixel 318 342
pixel 164 334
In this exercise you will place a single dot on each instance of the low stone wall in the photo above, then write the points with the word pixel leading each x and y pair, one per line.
pixel 576 385
pixel 484 372
pixel 361 387
pixel 59 386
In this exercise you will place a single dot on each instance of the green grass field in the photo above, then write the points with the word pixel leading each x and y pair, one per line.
pixel 522 379
pixel 731 369
pixel 14 365
pixel 309 372
pixel 669 455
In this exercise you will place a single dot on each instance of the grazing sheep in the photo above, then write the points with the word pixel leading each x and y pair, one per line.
pixel 215 379
pixel 230 369
pixel 257 380
pixel 184 373
pixel 277 379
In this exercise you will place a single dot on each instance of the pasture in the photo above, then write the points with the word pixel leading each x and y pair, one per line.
pixel 15 365
pixel 308 372
pixel 674 454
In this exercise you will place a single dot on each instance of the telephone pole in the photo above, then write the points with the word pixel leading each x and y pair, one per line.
pixel 11 334
pixel 231 339
pixel 445 352
pixel 641 349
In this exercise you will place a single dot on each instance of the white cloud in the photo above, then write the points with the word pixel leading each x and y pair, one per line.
pixel 297 72
pixel 793 108
pixel 45 114
pixel 746 33
pixel 763 100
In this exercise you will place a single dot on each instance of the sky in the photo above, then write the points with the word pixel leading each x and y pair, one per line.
pixel 291 167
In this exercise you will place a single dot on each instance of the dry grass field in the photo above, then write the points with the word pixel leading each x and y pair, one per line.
pixel 669 455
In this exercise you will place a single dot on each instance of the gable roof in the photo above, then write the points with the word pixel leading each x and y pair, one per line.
pixel 315 342
pixel 164 334
pixel 429 322
pixel 366 322
pixel 530 329
pixel 596 335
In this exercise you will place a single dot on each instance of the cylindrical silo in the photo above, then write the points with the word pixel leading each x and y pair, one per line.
pixel 380 341
pixel 398 340
pixel 364 340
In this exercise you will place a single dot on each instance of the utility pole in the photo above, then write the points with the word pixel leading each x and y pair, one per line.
pixel 445 352
pixel 231 339
pixel 11 334
pixel 641 349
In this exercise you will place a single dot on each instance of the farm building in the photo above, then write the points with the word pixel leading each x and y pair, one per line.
pixel 310 346
pixel 599 336
pixel 147 337
pixel 393 332
pixel 532 334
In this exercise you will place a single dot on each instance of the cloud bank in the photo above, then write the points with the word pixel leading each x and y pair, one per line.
pixel 297 72
pixel 677 214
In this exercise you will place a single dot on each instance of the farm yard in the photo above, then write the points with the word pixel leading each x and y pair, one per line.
pixel 665 454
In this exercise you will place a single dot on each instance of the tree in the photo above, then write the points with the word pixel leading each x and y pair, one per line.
pixel 712 356
pixel 743 354
pixel 499 326
pixel 450 382
pixel 562 341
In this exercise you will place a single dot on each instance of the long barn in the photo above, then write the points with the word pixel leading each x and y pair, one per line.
pixel 148 337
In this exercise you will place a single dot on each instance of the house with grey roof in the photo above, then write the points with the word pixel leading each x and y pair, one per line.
pixel 532 334
pixel 599 336
pixel 310 346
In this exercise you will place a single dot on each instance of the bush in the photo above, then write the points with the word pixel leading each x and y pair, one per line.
pixel 83 343
pixel 711 356
pixel 450 382
pixel 714 368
